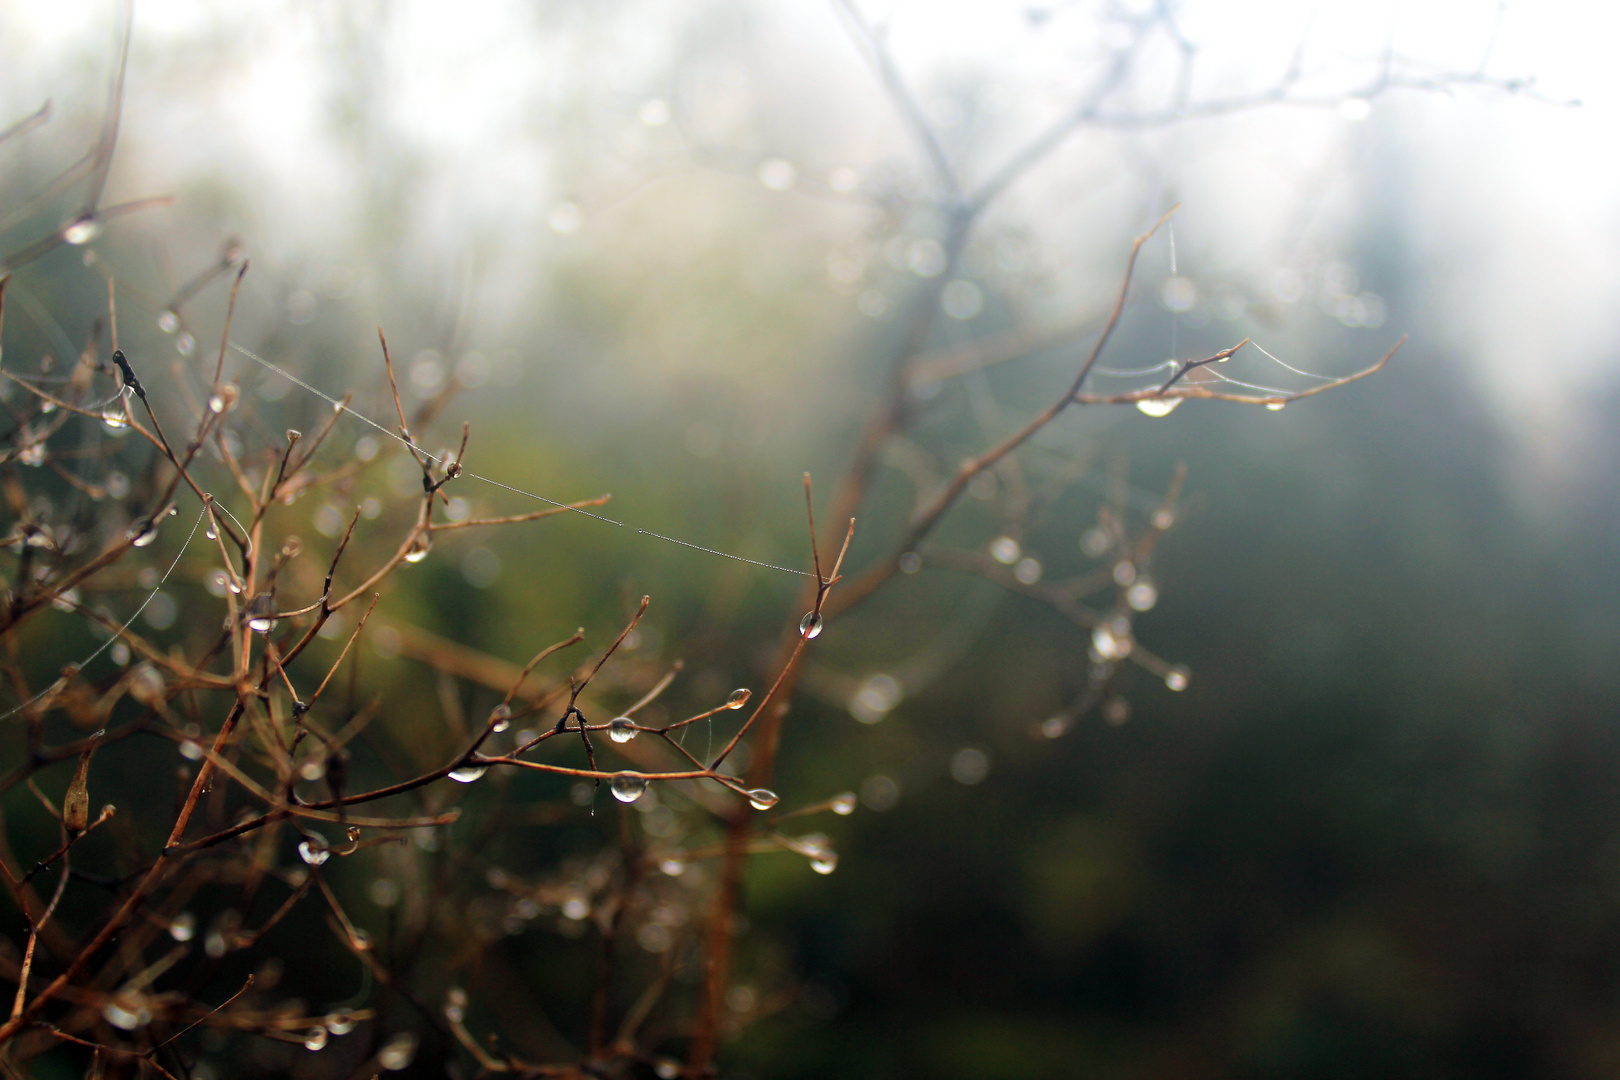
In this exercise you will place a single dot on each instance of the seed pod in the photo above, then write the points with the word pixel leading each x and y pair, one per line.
pixel 76 803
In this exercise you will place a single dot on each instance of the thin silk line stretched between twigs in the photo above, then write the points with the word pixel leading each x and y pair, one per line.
pixel 342 406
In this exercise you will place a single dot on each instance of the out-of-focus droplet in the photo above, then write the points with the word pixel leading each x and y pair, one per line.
pixel 576 908
pixel 185 344
pixel 1176 678
pixel 340 1023
pixel 1111 640
pixel 876 697
pixel 81 230
pixel 1094 543
pixel 826 864
pixel 762 798
pixel 910 562
pixel 1054 726
pixel 627 787
pixel 1142 595
pixel 1027 571
pixel 397 1053
pixel 127 1010
pixel 168 321
pixel 672 865
pixel 315 1039
pixel 566 218
pixel 1124 572
pixel 1116 710
pixel 468 773
pixel 419 547
pixel 183 927
pixel 777 174
pixel 1158 406
pixel 314 850
pixel 1163 519
pixel 500 718
pixel 1005 550
pixel 810 625
pixel 667 1069
pixel 843 804
pixel 260 614
pixel 1275 406
pixel 455 1005
pixel 739 697
pixel 621 729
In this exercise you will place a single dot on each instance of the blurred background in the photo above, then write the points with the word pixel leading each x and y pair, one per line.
pixel 670 251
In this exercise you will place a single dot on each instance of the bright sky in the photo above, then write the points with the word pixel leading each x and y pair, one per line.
pixel 1517 200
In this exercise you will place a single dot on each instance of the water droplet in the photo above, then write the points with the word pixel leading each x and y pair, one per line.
pixel 843 804
pixel 468 773
pixel 576 908
pixel 169 321
pixel 1005 550
pixel 627 787
pixel 1176 678
pixel 1124 572
pixel 910 562
pixel 969 766
pixel 314 850
pixel 875 698
pixel 739 697
pixel 1275 406
pixel 32 454
pixel 1178 294
pixel 1158 406
pixel 1027 571
pixel 762 798
pixel 185 344
pixel 340 1023
pixel 81 230
pixel 1054 726
pixel 826 864
pixel 259 614
pixel 1116 710
pixel 500 718
pixel 673 865
pixel 142 533
pixel 113 414
pixel 183 927
pixel 316 1039
pixel 1109 642
pixel 1143 595
pixel 775 174
pixel 398 1052
pixel 127 1010
pixel 1163 519
pixel 419 548
pixel 566 218
pixel 455 1005
pixel 621 729
pixel 191 750
pixel 810 626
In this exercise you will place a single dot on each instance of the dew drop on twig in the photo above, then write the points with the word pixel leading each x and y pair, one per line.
pixel 843 804
pixel 621 729
pixel 468 773
pixel 627 787
pixel 314 850
pixel 810 625
pixel 500 718
pixel 419 548
pixel 739 697
pixel 762 798
pixel 1158 406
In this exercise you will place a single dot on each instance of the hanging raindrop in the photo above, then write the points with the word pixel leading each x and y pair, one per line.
pixel 142 533
pixel 810 626
pixel 739 697
pixel 627 787
pixel 316 1039
pixel 81 230
pixel 421 544
pixel 468 773
pixel 112 414
pixel 314 850
pixel 621 729
pixel 1275 406
pixel 1158 406
pixel 500 718
pixel 843 804
pixel 259 614
pixel 762 798
pixel 826 864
